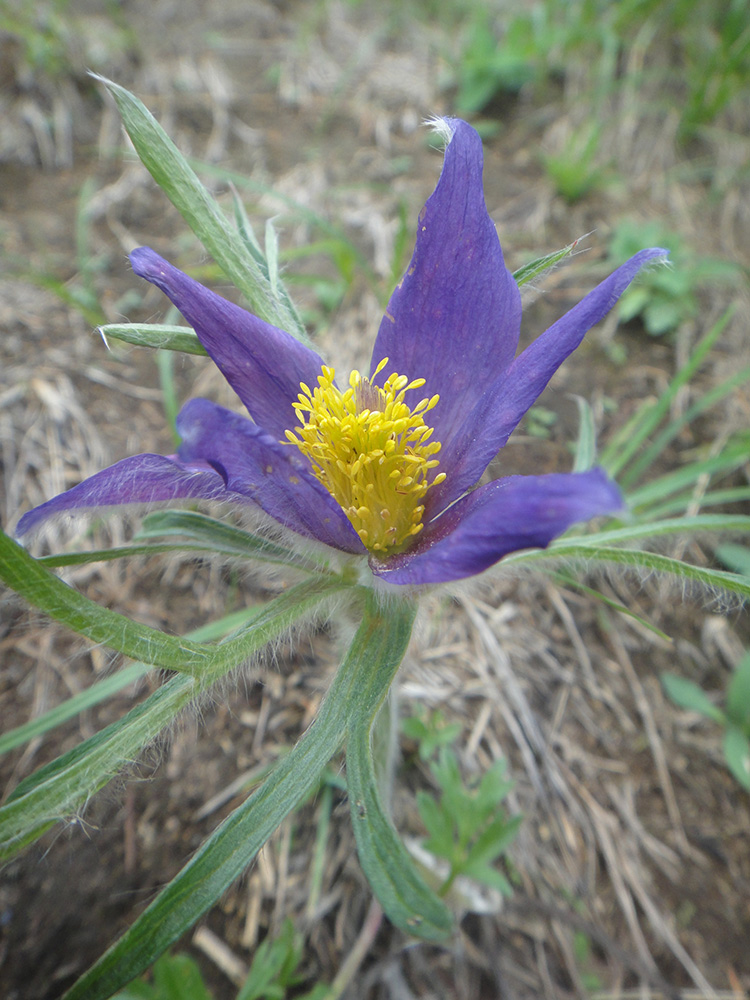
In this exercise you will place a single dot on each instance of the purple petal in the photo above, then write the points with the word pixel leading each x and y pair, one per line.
pixel 505 402
pixel 264 365
pixel 454 318
pixel 519 512
pixel 141 479
pixel 274 475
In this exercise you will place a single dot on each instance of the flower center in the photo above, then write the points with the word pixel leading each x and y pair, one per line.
pixel 371 451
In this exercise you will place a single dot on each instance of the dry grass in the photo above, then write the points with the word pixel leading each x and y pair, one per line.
pixel 635 838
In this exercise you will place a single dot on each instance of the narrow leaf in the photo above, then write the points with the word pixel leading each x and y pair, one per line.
pixel 228 851
pixel 638 559
pixel 734 456
pixel 47 592
pixel 537 267
pixel 585 452
pixel 738 695
pixel 162 336
pixel 63 786
pixel 737 755
pixel 218 536
pixel 689 695
pixel 198 207
pixel 406 899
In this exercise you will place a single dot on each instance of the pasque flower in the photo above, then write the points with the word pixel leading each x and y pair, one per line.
pixel 385 466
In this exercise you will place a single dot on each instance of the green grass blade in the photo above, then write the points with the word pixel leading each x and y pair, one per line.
pixel 406 899
pixel 72 706
pixel 48 593
pixel 734 456
pixel 585 452
pixel 714 498
pixel 712 523
pixel 162 336
pixel 670 432
pixel 199 208
pixel 625 444
pixel 226 854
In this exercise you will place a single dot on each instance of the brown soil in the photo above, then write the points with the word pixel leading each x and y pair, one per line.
pixel 636 838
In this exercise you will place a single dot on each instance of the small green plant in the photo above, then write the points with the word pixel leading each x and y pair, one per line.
pixel 468 826
pixel 735 719
pixel 539 421
pixel 487 65
pixel 583 954
pixel 430 731
pixel 272 974
pixel 665 297
pixel 574 170
pixel 174 977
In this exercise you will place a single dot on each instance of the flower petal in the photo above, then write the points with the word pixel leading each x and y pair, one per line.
pixel 272 474
pixel 264 365
pixel 518 512
pixel 140 479
pixel 504 403
pixel 454 318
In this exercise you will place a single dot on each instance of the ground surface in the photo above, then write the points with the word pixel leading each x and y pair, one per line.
pixel 633 862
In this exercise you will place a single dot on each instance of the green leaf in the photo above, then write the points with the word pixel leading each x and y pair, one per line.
pixel 736 557
pixel 177 977
pixel 162 336
pixel 494 840
pixel 225 855
pixel 537 267
pixel 430 731
pixel 737 755
pixel 686 694
pixel 48 593
pixel 273 965
pixel 638 559
pixel 438 824
pixel 63 786
pixel 404 896
pixel 585 453
pixel 219 536
pixel 199 209
pixel 738 695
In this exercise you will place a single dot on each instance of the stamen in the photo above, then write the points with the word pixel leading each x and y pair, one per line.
pixel 371 451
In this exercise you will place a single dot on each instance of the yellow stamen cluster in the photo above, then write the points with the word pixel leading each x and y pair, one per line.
pixel 371 451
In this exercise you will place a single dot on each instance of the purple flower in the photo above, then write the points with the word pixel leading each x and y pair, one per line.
pixel 385 468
